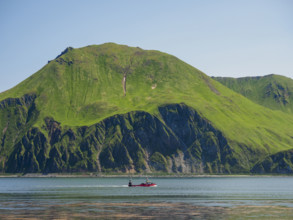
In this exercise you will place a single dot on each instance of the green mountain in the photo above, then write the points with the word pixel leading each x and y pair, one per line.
pixel 114 108
pixel 272 91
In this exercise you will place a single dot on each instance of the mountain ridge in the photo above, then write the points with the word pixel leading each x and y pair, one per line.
pixel 83 88
pixel 272 91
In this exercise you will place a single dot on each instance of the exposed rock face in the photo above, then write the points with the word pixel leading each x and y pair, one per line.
pixel 17 116
pixel 201 140
pixel 26 100
pixel 281 162
pixel 29 154
pixel 179 141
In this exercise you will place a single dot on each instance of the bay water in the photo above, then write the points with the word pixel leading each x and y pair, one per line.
pixel 194 198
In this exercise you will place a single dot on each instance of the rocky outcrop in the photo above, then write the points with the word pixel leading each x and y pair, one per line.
pixel 178 141
pixel 29 154
pixel 27 100
pixel 16 117
pixel 202 141
pixel 61 61
pixel 280 163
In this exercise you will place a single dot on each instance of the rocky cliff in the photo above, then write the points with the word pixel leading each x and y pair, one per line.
pixel 178 140
pixel 280 163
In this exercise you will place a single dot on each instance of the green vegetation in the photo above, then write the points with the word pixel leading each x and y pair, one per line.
pixel 272 91
pixel 82 90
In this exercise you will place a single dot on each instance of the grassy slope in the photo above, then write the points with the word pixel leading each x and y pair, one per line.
pixel 90 90
pixel 272 91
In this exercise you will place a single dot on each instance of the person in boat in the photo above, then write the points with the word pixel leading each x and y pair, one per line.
pixel 130 183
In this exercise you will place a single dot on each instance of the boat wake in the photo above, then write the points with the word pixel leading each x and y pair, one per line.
pixel 91 186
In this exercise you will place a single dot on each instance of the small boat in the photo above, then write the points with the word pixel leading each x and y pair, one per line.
pixel 147 183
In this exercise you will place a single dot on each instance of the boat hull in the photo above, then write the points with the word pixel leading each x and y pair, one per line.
pixel 144 185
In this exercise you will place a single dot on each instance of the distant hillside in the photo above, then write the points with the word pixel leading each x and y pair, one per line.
pixel 272 91
pixel 114 108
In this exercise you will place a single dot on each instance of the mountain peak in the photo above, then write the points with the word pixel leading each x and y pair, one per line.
pixel 67 49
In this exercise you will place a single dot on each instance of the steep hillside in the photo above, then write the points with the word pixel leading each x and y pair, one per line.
pixel 272 91
pixel 118 108
pixel 281 162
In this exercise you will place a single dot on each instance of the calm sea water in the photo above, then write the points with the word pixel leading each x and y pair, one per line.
pixel 34 195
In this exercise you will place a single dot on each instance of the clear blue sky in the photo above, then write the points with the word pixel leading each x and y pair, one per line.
pixel 222 38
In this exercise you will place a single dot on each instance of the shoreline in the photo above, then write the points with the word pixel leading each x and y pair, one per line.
pixel 92 175
pixel 102 210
